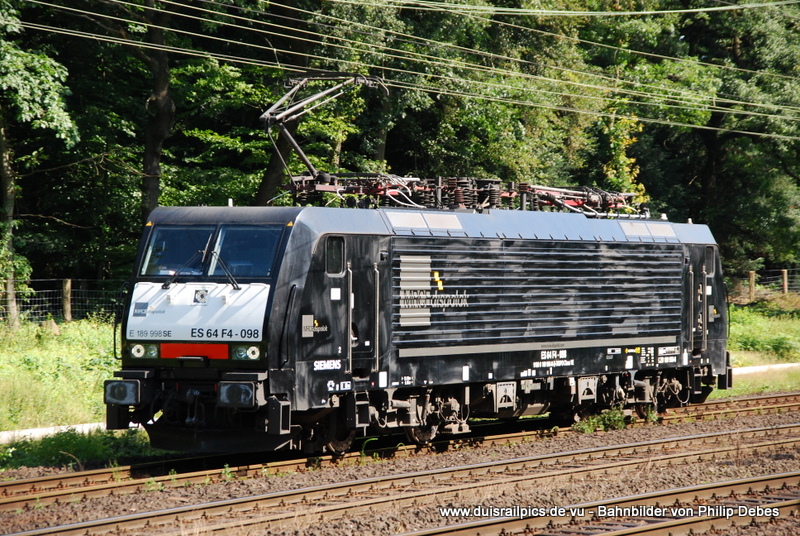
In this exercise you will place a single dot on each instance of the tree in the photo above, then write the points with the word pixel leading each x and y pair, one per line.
pixel 32 96
pixel 748 183
pixel 726 77
pixel 219 147
pixel 148 25
pixel 696 107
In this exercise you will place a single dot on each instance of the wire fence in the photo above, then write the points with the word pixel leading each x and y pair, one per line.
pixel 765 283
pixel 63 299
pixel 779 280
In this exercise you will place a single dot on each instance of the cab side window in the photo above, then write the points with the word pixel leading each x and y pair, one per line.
pixel 334 255
pixel 710 260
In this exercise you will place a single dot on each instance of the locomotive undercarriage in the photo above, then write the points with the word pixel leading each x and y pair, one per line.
pixel 220 415
pixel 644 392
pixel 424 413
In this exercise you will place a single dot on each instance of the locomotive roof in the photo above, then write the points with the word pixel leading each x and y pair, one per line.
pixel 506 224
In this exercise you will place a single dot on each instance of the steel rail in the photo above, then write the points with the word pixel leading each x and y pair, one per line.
pixel 721 408
pixel 718 494
pixel 39 491
pixel 334 500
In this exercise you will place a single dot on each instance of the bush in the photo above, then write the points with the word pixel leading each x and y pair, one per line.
pixel 77 451
pixel 612 419
pixel 53 375
pixel 753 329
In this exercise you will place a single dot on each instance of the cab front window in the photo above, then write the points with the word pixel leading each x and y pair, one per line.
pixel 206 251
pixel 175 249
pixel 247 251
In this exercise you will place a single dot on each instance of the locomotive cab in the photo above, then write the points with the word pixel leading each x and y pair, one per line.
pixel 195 339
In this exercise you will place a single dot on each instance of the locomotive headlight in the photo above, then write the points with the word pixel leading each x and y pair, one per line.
pixel 237 395
pixel 122 392
pixel 144 351
pixel 245 352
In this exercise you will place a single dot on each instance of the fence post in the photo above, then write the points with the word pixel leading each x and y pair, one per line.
pixel 785 276
pixel 752 285
pixel 66 299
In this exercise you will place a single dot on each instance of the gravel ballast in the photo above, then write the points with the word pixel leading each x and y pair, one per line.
pixel 562 492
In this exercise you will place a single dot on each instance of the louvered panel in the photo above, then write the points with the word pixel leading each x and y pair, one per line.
pixel 486 293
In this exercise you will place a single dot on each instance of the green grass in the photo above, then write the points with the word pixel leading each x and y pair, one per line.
pixel 761 383
pixel 50 378
pixel 767 330
pixel 775 337
pixel 78 451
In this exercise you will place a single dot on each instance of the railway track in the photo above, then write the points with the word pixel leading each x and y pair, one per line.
pixel 406 490
pixel 713 409
pixel 690 510
pixel 18 494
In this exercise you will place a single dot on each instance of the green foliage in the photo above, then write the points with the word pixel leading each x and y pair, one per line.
pixel 77 451
pixel 227 474
pixel 612 419
pixel 364 446
pixel 652 105
pixel 32 89
pixel 14 265
pixel 765 329
pixel 49 379
pixel 587 425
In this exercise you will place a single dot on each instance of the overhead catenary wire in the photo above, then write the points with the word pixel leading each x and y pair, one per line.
pixel 415 39
pixel 497 86
pixel 472 94
pixel 716 98
pixel 407 85
pixel 669 95
pixel 497 10
pixel 661 101
pixel 691 96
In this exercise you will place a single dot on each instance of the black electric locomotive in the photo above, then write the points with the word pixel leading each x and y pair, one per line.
pixel 253 329
pixel 299 327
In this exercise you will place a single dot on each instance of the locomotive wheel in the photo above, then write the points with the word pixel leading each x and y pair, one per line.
pixel 421 435
pixel 643 409
pixel 338 439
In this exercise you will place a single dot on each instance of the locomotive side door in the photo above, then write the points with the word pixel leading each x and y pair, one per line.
pixel 701 298
pixel 352 281
pixel 364 277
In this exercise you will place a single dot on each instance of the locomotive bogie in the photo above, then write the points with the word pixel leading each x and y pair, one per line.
pixel 306 327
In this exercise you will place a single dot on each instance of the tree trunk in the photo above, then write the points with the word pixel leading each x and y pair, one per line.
pixel 7 197
pixel 272 178
pixel 160 110
pixel 714 153
pixel 294 53
pixel 383 129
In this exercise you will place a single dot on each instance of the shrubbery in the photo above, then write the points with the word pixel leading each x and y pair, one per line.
pixel 53 375
pixel 75 450
pixel 764 329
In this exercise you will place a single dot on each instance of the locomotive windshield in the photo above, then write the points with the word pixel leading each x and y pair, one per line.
pixel 205 250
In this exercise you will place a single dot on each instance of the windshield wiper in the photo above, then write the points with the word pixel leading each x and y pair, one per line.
pixel 228 273
pixel 202 253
